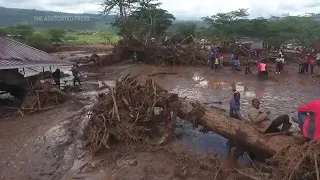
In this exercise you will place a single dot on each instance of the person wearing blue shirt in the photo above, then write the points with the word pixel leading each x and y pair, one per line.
pixel 233 149
pixel 235 106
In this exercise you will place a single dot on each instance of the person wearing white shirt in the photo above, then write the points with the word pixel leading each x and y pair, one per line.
pixel 318 59
pixel 279 64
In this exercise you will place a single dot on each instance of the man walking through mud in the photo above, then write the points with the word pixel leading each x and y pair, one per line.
pixel 56 77
pixel 76 75
pixel 261 121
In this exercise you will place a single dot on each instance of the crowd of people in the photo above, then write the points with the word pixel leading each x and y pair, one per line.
pixel 308 61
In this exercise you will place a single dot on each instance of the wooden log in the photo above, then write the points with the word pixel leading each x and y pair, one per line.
pixel 241 131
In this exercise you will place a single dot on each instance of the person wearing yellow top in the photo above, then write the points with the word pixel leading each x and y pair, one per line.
pixel 216 64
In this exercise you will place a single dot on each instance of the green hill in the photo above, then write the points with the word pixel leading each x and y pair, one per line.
pixel 50 19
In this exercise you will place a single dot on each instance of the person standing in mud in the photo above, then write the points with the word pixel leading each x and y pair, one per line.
pixel 221 60
pixel 279 64
pixel 76 75
pixel 212 58
pixel 216 63
pixel 259 68
pixel 248 71
pixel 261 121
pixel 312 63
pixel 236 62
pixel 306 64
pixel 56 77
pixel 318 59
pixel 301 65
pixel 263 69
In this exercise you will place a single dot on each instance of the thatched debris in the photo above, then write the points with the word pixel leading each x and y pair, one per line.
pixel 125 114
pixel 44 96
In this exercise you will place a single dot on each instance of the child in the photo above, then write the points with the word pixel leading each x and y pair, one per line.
pixel 211 60
pixel 236 62
pixel 221 60
pixel 301 65
pixel 216 64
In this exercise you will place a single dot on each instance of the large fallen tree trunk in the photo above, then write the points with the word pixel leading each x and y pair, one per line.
pixel 241 131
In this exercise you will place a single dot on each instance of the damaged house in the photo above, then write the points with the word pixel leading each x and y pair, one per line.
pixel 15 56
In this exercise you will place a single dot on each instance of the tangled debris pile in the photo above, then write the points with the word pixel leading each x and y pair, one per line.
pixel 297 162
pixel 42 97
pixel 158 54
pixel 125 114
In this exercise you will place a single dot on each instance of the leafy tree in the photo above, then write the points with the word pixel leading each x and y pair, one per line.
pixel 224 26
pixel 3 31
pixel 20 32
pixel 38 39
pixel 56 35
pixel 186 30
pixel 139 19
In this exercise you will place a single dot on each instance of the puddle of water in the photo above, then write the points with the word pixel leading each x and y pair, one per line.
pixel 203 143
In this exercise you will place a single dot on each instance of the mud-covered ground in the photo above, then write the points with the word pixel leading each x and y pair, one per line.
pixel 43 145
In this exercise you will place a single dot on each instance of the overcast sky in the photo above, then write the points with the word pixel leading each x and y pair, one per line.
pixel 182 9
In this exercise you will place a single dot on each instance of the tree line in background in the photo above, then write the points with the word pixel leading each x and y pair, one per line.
pixel 143 19
pixel 301 30
pixel 28 35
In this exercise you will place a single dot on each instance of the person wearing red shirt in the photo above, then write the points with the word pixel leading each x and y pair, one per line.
pixel 306 63
pixel 309 119
pixel 259 68
pixel 312 63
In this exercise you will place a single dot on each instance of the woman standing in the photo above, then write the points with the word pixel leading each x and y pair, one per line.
pixel 278 64
pixel 312 63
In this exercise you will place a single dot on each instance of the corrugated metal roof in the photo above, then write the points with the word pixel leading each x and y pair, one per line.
pixel 14 54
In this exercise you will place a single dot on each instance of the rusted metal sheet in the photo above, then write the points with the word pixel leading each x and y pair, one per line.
pixel 14 54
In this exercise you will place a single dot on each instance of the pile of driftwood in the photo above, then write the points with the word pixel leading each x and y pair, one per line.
pixel 43 96
pixel 124 115
pixel 301 162
pixel 158 54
